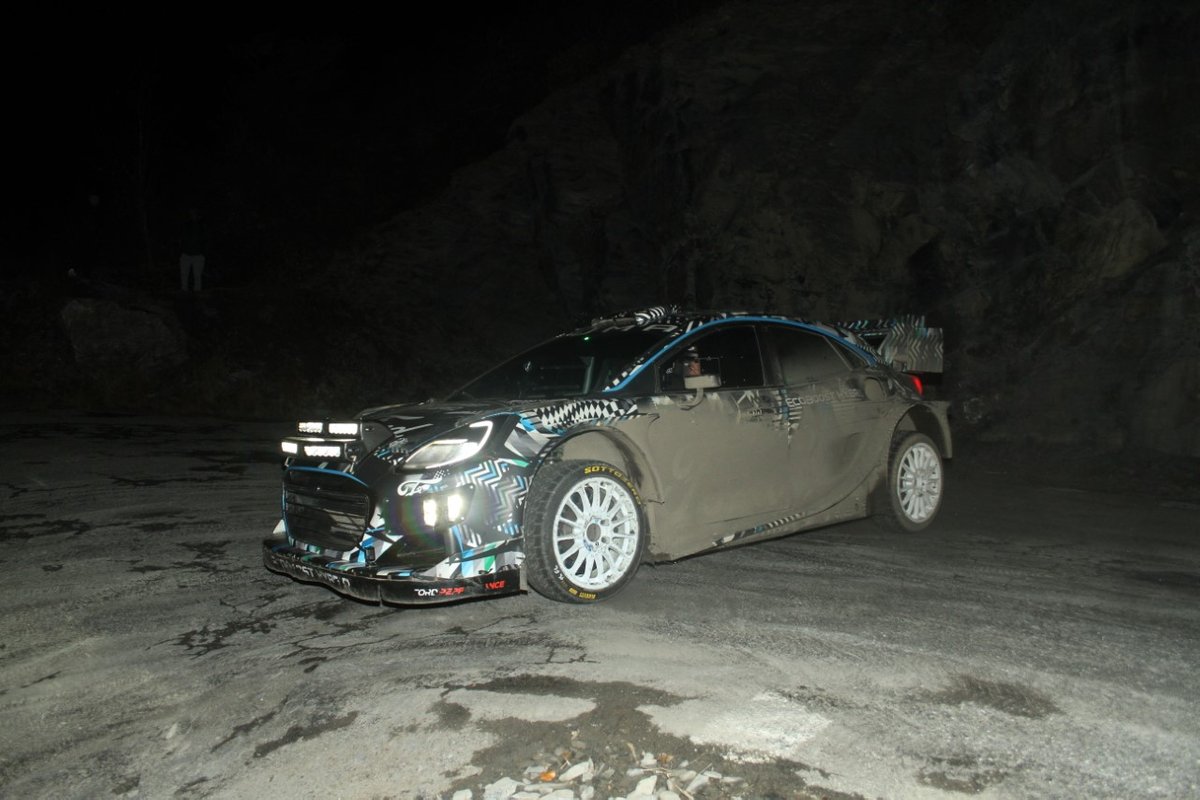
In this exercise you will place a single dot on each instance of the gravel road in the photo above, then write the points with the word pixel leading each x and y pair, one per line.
pixel 1040 641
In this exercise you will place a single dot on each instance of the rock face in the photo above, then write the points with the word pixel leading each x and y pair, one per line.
pixel 1024 173
pixel 108 337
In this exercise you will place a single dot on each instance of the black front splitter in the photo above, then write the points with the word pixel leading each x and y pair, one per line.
pixel 361 582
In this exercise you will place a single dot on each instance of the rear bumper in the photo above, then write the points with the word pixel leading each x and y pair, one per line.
pixel 363 583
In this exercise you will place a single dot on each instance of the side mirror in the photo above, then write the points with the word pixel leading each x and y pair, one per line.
pixel 697 384
pixel 701 382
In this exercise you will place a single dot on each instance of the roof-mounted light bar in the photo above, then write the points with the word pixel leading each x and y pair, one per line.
pixel 331 428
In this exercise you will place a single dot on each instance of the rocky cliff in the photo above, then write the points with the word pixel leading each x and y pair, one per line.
pixel 1023 173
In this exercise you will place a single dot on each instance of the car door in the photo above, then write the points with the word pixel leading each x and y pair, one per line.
pixel 720 452
pixel 831 413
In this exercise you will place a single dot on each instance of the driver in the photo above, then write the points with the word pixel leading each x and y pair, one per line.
pixel 685 365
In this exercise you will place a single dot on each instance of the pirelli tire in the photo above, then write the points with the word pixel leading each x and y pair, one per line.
pixel 915 485
pixel 585 531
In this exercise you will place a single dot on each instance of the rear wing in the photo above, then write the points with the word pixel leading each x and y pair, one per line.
pixel 903 342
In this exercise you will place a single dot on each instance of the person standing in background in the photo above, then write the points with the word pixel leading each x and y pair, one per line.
pixel 191 258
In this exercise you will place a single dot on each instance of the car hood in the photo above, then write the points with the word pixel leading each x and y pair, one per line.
pixel 413 425
pixel 410 426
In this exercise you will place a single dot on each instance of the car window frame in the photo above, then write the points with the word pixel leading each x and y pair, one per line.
pixel 697 337
pixel 850 360
pixel 597 388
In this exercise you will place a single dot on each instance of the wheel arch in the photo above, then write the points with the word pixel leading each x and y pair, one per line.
pixel 927 421
pixel 616 449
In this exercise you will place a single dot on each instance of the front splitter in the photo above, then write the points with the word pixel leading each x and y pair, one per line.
pixel 361 583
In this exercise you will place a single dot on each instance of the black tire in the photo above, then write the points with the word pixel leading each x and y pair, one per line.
pixel 585 531
pixel 916 482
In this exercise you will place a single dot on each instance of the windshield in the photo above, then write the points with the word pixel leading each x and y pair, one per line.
pixel 568 366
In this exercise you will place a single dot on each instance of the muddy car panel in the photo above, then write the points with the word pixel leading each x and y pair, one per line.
pixel 784 425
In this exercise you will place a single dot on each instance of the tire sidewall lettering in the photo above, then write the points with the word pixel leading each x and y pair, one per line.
pixel 573 590
pixel 593 469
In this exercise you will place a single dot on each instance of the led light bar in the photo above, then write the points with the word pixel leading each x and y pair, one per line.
pixel 291 448
pixel 323 450
pixel 343 428
pixel 311 427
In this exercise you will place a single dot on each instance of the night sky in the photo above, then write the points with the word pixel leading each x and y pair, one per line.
pixel 285 139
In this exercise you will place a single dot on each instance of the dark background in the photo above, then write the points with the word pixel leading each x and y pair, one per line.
pixel 391 205
pixel 290 140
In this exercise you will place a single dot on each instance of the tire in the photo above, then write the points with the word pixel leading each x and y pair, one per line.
pixel 585 531
pixel 915 483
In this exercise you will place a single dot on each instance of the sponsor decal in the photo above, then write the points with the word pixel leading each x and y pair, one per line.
pixel 832 396
pixel 616 473
pixel 419 486
pixel 494 585
pixel 445 591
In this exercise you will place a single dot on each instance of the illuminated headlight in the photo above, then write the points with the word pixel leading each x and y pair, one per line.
pixel 454 507
pixel 343 428
pixel 451 450
pixel 444 509
pixel 291 448
pixel 429 511
pixel 323 450
pixel 311 427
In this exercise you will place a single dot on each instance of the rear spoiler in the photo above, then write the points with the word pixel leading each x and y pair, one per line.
pixel 903 342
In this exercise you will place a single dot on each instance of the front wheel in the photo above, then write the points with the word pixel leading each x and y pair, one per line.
pixel 914 482
pixel 584 531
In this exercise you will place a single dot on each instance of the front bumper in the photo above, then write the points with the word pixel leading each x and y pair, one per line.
pixel 363 583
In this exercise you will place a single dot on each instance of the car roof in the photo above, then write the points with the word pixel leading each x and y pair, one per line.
pixel 667 318
pixel 674 323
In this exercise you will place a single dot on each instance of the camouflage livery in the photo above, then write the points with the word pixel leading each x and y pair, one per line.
pixel 787 425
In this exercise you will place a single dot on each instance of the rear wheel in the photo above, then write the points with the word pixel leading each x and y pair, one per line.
pixel 584 531
pixel 915 482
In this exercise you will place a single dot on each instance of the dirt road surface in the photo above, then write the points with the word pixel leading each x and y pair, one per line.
pixel 1040 641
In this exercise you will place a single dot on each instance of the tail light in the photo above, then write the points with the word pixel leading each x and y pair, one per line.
pixel 917 385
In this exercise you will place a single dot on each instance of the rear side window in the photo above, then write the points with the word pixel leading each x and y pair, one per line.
pixel 805 356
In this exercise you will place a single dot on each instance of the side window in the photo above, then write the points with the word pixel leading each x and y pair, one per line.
pixel 729 353
pixel 805 356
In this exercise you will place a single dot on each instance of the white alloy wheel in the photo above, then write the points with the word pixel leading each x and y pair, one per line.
pixel 585 531
pixel 596 532
pixel 915 483
pixel 919 482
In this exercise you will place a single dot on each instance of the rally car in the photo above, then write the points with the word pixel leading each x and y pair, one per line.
pixel 645 436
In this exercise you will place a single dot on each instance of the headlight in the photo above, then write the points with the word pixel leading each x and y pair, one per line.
pixel 446 508
pixel 451 450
